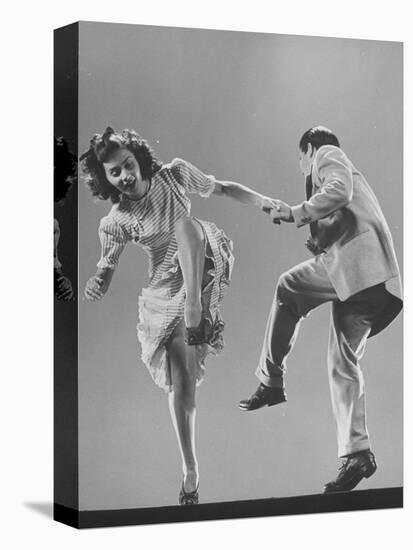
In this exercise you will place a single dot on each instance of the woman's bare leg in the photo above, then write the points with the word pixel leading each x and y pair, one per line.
pixel 182 403
pixel 191 254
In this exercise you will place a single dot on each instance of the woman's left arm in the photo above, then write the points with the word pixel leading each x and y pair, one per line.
pixel 195 181
pixel 244 194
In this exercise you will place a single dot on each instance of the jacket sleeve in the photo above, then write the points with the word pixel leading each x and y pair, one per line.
pixel 335 174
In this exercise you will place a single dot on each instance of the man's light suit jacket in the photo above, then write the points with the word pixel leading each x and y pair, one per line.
pixel 348 224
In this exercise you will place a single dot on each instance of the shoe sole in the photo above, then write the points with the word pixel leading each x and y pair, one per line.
pixel 271 404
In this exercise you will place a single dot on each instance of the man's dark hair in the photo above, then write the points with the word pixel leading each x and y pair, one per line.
pixel 318 136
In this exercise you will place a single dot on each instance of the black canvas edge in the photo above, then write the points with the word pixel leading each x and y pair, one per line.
pixel 373 499
pixel 65 372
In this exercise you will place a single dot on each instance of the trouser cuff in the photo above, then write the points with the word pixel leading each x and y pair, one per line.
pixel 270 381
pixel 351 449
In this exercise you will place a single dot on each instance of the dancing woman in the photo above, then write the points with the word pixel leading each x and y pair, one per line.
pixel 190 264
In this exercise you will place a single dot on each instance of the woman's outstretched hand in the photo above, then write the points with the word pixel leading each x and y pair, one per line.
pixel 279 211
pixel 267 204
pixel 95 288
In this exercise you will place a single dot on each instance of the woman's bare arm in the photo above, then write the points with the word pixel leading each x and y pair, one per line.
pixel 243 194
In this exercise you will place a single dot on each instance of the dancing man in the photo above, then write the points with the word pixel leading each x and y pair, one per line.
pixel 354 260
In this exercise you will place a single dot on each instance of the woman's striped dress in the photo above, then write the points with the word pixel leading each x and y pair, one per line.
pixel 150 223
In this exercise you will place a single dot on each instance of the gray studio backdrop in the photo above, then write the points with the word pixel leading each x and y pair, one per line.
pixel 234 104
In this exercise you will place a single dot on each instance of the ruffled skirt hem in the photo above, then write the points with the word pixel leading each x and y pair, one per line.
pixel 160 310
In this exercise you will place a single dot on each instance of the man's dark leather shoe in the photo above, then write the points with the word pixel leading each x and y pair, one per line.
pixel 353 469
pixel 263 396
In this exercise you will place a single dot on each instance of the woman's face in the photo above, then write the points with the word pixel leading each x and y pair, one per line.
pixel 123 172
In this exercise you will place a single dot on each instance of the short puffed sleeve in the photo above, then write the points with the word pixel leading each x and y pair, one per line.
pixel 191 178
pixel 113 240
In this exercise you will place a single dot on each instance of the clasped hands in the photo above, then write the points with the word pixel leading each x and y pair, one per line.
pixel 278 210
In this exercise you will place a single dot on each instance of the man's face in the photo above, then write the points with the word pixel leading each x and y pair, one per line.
pixel 306 160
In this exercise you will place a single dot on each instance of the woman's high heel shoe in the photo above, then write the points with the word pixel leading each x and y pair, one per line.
pixel 195 336
pixel 188 498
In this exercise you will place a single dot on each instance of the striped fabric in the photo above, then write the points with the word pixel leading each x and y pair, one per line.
pixel 150 223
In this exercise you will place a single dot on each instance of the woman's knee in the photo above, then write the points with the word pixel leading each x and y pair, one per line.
pixel 176 347
pixel 183 382
pixel 187 228
pixel 183 375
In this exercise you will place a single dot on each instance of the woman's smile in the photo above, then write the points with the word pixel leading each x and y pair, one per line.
pixel 129 183
pixel 122 170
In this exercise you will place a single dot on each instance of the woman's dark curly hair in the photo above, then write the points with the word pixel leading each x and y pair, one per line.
pixel 65 168
pixel 102 146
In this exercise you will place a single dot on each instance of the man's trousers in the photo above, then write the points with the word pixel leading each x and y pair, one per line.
pixel 299 290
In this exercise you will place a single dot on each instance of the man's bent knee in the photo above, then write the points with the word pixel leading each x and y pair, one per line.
pixel 285 295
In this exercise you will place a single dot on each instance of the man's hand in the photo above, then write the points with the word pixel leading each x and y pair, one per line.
pixel 281 212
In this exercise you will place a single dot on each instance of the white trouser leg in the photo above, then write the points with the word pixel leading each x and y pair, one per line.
pixel 348 336
pixel 299 290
